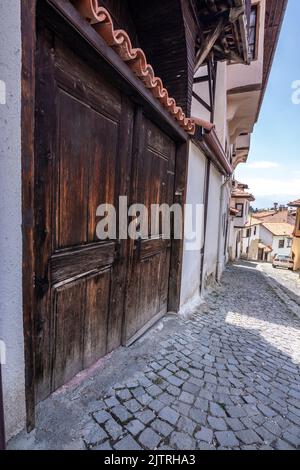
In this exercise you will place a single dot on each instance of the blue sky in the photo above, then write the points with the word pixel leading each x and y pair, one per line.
pixel 273 167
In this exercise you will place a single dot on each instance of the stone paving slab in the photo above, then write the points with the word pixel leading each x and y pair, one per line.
pixel 227 377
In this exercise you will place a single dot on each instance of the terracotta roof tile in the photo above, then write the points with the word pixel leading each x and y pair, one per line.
pixel 135 58
pixel 261 215
pixel 279 229
pixel 262 246
pixel 208 126
pixel 233 211
pixel 252 222
pixel 295 203
pixel 239 193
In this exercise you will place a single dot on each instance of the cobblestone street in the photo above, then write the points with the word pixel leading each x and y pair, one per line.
pixel 286 279
pixel 227 377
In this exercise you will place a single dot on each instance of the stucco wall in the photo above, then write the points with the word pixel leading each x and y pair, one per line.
pixel 195 195
pixel 266 236
pixel 231 240
pixel 223 254
pixel 241 221
pixel 220 119
pixel 11 321
pixel 251 243
pixel 212 229
pixel 243 75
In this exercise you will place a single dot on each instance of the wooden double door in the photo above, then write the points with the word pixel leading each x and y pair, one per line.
pixel 92 145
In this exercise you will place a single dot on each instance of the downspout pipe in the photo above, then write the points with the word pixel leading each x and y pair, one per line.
pixel 2 429
pixel 219 257
pixel 206 200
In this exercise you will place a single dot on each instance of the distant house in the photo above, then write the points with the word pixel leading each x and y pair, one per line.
pixel 296 235
pixel 279 237
pixel 263 241
pixel 239 211
pixel 252 246
pixel 278 215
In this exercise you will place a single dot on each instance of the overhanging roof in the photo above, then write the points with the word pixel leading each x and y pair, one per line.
pixel 275 11
pixel 294 203
pixel 135 58
pixel 224 29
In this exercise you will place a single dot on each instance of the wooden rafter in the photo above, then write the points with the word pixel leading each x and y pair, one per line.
pixel 223 31
pixel 209 43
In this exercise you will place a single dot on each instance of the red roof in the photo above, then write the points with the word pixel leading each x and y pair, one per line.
pixel 279 229
pixel 233 211
pixel 239 193
pixel 295 203
pixel 135 58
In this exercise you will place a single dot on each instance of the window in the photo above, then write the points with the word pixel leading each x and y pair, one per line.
pixel 289 242
pixel 255 230
pixel 253 32
pixel 248 234
pixel 240 208
pixel 281 244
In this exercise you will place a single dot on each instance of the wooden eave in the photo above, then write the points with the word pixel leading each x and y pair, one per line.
pixel 80 32
pixel 224 30
pixel 294 204
pixel 247 196
pixel 275 12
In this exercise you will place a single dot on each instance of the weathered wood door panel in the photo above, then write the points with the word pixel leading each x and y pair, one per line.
pixel 89 150
pixel 148 272
pixel 83 142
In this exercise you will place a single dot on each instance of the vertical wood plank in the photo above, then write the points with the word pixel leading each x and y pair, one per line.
pixel 137 145
pixel 180 188
pixel 122 187
pixel 28 9
pixel 45 158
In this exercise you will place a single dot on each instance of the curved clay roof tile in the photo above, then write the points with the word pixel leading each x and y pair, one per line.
pixel 119 40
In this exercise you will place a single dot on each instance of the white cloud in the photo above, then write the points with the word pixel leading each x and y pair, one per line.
pixel 262 165
pixel 274 187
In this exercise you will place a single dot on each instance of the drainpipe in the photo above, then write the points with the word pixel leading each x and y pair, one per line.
pixel 219 256
pixel 250 235
pixel 206 197
pixel 2 432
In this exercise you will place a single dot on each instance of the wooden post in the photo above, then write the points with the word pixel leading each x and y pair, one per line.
pixel 27 132
pixel 181 174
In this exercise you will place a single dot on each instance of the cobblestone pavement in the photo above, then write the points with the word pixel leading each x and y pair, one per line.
pixel 225 378
pixel 288 279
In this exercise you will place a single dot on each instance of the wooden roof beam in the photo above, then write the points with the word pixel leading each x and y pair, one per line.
pixel 228 16
pixel 209 43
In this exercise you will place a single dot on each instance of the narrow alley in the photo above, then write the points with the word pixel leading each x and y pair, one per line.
pixel 227 377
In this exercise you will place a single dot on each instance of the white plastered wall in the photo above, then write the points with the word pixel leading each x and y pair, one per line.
pixel 195 195
pixel 212 228
pixel 11 316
